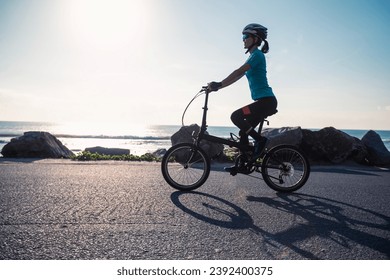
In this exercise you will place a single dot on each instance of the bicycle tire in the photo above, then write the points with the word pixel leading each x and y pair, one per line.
pixel 185 167
pixel 285 168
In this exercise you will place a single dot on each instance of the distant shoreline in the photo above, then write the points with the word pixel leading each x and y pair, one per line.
pixel 138 139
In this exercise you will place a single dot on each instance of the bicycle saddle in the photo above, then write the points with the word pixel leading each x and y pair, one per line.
pixel 270 113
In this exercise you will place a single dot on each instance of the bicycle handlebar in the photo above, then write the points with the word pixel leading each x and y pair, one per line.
pixel 205 90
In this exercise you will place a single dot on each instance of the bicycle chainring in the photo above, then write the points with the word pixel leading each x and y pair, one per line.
pixel 243 164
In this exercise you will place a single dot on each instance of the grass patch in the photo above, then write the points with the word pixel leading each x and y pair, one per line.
pixel 88 156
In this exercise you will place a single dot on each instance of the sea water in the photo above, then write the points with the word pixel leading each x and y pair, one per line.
pixel 139 139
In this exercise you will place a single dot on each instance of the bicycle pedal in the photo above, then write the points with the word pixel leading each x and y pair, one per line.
pixel 232 170
pixel 245 171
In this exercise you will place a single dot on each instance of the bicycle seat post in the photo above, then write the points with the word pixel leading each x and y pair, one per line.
pixel 261 126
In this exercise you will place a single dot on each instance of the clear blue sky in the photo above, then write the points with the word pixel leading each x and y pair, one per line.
pixel 142 61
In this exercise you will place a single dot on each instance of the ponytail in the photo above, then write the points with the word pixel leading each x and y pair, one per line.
pixel 265 47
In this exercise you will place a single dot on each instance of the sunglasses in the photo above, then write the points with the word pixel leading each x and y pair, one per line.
pixel 246 36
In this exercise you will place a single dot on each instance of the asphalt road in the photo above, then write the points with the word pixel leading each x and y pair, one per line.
pixel 60 209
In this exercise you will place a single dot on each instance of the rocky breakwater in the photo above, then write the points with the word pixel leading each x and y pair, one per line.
pixel 36 144
pixel 330 145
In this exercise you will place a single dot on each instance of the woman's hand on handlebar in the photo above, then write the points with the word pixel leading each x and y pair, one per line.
pixel 214 86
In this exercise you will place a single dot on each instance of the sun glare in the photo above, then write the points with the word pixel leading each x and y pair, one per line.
pixel 106 25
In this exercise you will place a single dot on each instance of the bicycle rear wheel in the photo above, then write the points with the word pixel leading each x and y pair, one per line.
pixel 285 168
pixel 185 167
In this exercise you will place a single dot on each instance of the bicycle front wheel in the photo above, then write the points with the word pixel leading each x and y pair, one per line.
pixel 185 167
pixel 285 168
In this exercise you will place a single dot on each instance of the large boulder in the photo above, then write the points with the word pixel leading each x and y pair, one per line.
pixel 284 135
pixel 332 145
pixel 36 144
pixel 377 151
pixel 108 151
pixel 327 144
pixel 186 134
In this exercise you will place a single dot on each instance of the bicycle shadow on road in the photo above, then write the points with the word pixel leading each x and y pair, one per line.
pixel 339 222
pixel 334 221
pixel 228 215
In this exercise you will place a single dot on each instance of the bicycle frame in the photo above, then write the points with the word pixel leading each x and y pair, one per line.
pixel 203 136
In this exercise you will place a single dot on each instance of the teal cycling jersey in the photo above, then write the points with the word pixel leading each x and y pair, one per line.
pixel 257 76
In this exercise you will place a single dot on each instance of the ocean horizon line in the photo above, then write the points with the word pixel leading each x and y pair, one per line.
pixel 179 125
pixel 123 137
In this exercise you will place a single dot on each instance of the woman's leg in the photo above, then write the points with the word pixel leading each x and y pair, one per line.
pixel 248 117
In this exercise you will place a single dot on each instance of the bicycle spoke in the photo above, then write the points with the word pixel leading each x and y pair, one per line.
pixel 185 167
pixel 285 168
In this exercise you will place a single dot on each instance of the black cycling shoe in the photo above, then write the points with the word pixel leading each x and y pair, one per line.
pixel 259 148
pixel 233 170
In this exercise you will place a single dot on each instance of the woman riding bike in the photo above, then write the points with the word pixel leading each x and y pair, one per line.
pixel 265 103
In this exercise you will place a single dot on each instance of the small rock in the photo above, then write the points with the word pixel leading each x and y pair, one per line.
pixel 159 153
